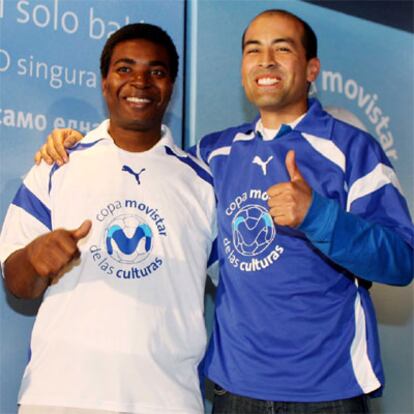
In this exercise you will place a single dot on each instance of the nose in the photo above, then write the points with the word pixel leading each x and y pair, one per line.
pixel 268 58
pixel 140 78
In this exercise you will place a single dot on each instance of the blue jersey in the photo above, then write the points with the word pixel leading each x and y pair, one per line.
pixel 294 320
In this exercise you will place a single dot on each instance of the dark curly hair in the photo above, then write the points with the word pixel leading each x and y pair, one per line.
pixel 144 31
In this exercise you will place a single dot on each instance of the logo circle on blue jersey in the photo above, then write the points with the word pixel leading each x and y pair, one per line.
pixel 253 230
pixel 128 239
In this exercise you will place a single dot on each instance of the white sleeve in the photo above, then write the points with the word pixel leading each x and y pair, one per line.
pixel 29 213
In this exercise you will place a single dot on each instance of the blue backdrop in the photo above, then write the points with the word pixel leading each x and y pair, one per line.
pixel 49 77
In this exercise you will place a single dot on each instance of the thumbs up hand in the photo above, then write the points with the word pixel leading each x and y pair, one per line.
pixel 51 252
pixel 290 201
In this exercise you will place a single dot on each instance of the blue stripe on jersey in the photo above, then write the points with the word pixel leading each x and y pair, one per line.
pixel 26 200
pixel 81 146
pixel 78 147
pixel 54 168
pixel 203 174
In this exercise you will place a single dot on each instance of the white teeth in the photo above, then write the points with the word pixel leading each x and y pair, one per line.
pixel 137 100
pixel 267 81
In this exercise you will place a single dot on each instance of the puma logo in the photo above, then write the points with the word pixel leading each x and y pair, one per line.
pixel 132 172
pixel 262 164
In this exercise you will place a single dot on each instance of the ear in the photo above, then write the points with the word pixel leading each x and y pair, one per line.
pixel 312 70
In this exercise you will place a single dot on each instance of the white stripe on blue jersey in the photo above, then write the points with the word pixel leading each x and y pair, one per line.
pixel 364 373
pixel 327 148
pixel 244 137
pixel 218 151
pixel 380 176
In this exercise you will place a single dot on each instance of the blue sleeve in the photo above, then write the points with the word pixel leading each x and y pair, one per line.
pixel 368 250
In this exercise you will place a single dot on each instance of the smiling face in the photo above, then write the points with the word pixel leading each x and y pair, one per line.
pixel 275 72
pixel 137 88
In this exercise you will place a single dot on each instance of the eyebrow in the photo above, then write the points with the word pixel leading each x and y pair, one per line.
pixel 152 63
pixel 274 41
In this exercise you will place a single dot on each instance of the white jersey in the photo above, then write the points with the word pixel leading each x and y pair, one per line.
pixel 123 328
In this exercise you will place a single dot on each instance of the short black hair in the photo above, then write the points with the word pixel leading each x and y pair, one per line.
pixel 144 31
pixel 309 39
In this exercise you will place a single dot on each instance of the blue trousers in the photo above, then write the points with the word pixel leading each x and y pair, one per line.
pixel 228 403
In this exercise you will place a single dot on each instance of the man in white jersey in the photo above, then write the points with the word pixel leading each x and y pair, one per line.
pixel 117 242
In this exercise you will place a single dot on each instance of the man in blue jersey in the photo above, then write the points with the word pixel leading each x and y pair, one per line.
pixel 295 330
pixel 121 327
pixel 318 216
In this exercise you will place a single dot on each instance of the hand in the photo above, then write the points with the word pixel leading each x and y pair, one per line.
pixel 290 201
pixel 50 253
pixel 54 149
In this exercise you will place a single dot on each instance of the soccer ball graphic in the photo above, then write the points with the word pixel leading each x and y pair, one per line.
pixel 128 239
pixel 253 230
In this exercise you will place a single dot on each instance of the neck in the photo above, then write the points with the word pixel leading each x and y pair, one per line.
pixel 134 141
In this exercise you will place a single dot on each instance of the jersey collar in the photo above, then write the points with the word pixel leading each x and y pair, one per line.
pixel 315 121
pixel 282 130
pixel 101 132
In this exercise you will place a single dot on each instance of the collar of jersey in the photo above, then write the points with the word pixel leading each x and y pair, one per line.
pixel 283 129
pixel 101 133
pixel 316 121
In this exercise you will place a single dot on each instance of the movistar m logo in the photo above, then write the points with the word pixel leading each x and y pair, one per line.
pixel 128 239
pixel 125 244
